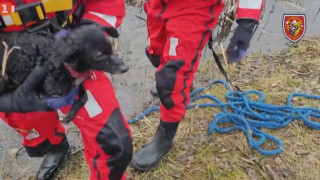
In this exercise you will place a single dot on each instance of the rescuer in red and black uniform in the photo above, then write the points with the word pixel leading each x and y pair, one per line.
pixel 177 32
pixel 105 132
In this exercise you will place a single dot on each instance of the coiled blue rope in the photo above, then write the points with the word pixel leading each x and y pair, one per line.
pixel 250 116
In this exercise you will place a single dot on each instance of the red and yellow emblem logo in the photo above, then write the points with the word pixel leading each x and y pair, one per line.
pixel 294 26
pixel 6 8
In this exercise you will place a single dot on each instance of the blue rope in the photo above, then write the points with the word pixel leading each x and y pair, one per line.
pixel 250 116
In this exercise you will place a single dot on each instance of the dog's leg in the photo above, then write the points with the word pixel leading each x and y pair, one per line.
pixel 76 105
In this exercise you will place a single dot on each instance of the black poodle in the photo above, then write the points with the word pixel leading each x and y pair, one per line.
pixel 67 61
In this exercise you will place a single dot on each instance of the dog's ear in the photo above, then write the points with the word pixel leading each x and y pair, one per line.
pixel 111 31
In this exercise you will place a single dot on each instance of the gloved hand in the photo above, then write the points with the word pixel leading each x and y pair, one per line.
pixel 25 99
pixel 239 43
pixel 57 103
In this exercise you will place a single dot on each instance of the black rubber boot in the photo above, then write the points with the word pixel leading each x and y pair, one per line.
pixel 150 155
pixel 53 160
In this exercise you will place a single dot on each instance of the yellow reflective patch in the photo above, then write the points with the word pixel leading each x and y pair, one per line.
pixel 70 18
pixel 57 5
pixel 64 24
pixel 40 12
pixel 16 18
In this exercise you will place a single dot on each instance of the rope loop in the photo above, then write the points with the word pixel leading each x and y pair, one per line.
pixel 250 116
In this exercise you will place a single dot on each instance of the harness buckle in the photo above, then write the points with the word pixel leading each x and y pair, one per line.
pixel 46 24
pixel 33 12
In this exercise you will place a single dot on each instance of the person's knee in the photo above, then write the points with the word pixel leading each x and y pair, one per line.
pixel 166 79
pixel 115 140
pixel 126 150
pixel 154 59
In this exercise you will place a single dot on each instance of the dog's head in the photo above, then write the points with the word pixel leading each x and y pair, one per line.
pixel 88 48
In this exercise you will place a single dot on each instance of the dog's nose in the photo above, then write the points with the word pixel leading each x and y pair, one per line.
pixel 124 68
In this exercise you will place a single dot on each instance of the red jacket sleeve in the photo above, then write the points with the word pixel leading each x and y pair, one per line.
pixel 249 9
pixel 105 12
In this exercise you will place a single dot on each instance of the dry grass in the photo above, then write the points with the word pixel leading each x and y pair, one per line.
pixel 76 168
pixel 197 155
pixel 226 19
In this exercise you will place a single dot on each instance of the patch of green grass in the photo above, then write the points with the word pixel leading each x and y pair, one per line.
pixel 295 82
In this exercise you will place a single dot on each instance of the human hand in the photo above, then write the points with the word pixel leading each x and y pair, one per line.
pixel 59 102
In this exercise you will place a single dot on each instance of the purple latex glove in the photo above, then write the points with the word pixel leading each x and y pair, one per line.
pixel 59 102
pixel 239 43
pixel 62 33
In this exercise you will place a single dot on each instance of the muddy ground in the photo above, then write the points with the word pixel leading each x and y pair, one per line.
pixel 207 157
